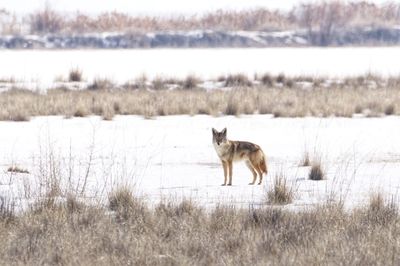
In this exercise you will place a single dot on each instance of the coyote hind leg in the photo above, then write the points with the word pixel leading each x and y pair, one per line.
pixel 250 166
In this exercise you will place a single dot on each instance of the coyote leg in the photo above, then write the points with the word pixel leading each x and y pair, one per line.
pixel 252 171
pixel 230 173
pixel 225 166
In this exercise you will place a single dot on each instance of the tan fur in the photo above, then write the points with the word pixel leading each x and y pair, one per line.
pixel 230 151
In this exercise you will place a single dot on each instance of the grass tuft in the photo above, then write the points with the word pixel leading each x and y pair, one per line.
pixel 280 193
pixel 16 169
pixel 237 80
pixel 305 161
pixel 190 82
pixel 267 80
pixel 316 172
pixel 75 75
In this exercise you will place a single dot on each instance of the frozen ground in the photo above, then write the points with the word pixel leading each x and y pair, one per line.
pixel 38 69
pixel 173 158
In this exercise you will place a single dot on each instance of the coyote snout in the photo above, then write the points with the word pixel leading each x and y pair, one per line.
pixel 229 151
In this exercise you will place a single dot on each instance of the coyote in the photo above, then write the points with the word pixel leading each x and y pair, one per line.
pixel 229 151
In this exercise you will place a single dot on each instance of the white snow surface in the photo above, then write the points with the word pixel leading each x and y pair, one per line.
pixel 42 67
pixel 172 158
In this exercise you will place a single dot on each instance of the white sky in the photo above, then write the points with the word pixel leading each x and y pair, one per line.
pixel 147 7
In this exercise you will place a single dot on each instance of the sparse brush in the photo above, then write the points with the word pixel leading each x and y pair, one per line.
pixel 379 211
pixel 101 84
pixel 191 82
pixel 316 172
pixel 237 80
pixel 120 198
pixel 289 83
pixel 159 83
pixel 267 80
pixel 376 202
pixel 305 160
pixel 75 75
pixel 17 169
pixel 280 193
pixel 281 78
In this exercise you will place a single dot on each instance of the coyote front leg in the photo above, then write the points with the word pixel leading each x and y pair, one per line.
pixel 225 166
pixel 230 173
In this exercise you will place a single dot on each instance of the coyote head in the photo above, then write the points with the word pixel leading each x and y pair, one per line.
pixel 219 137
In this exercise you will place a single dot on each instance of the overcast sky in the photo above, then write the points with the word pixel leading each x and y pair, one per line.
pixel 147 7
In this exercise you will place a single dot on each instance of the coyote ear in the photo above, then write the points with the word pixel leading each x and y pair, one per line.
pixel 214 131
pixel 224 131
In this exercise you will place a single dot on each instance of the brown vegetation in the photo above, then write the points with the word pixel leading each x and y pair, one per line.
pixel 281 96
pixel 280 192
pixel 129 232
pixel 316 172
pixel 320 19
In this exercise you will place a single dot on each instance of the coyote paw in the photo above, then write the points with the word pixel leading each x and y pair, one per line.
pixel 230 184
pixel 251 183
pixel 223 185
pixel 259 183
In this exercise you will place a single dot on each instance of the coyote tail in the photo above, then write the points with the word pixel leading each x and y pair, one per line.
pixel 263 165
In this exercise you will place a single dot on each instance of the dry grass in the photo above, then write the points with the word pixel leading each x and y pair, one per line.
pixel 316 172
pixel 305 160
pixel 17 169
pixel 237 80
pixel 75 75
pixel 190 82
pixel 103 98
pixel 323 16
pixel 280 193
pixel 73 233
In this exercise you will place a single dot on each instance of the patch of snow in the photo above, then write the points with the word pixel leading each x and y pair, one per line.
pixel 123 65
pixel 173 157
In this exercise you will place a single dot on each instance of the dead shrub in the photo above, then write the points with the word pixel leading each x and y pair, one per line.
pixel 281 78
pixel 17 169
pixel 159 83
pixel 379 211
pixel 75 75
pixel 101 84
pixel 305 160
pixel 280 193
pixel 316 172
pixel 267 80
pixel 190 82
pixel 237 80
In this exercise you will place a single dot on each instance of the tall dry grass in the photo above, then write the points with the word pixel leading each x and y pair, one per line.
pixel 101 99
pixel 320 19
pixel 72 233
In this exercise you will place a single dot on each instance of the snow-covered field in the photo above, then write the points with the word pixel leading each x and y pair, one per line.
pixel 173 157
pixel 40 68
